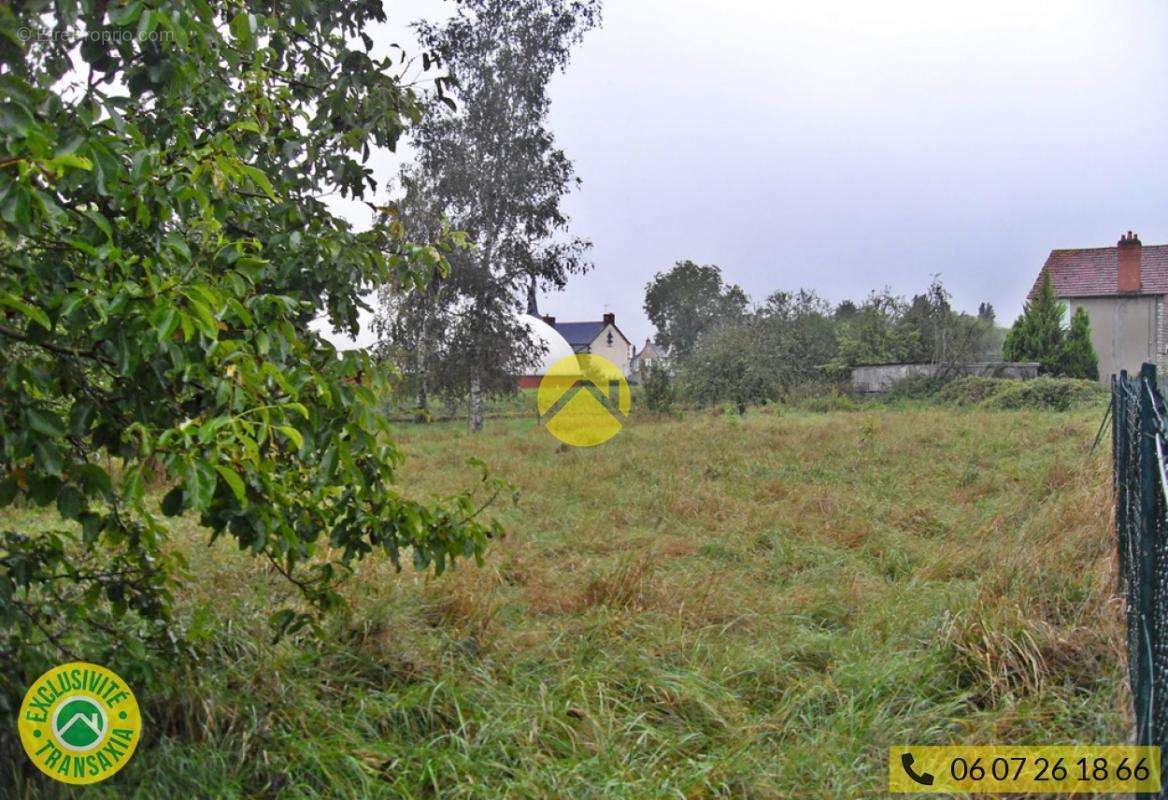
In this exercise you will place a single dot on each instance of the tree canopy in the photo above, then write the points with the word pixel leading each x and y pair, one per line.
pixel 165 246
pixel 687 300
pixel 1038 335
pixel 490 165
pixel 797 339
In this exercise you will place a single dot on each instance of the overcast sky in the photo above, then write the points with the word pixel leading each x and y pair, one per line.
pixel 847 146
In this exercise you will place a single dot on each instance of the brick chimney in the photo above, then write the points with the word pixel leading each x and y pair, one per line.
pixel 609 319
pixel 549 320
pixel 1129 262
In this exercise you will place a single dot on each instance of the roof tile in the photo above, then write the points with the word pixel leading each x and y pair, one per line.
pixel 1092 272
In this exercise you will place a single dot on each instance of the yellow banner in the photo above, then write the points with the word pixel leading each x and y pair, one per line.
pixel 1073 769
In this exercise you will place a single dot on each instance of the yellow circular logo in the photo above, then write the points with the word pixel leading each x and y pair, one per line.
pixel 583 400
pixel 79 723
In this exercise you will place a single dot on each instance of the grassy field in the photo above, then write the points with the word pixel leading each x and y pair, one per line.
pixel 712 606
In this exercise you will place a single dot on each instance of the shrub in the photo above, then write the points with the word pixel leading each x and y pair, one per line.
pixel 164 253
pixel 918 387
pixel 1054 394
pixel 807 390
pixel 1077 353
pixel 659 394
pixel 725 367
pixel 1038 335
pixel 970 390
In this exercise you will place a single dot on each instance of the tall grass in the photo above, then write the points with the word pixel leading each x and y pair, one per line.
pixel 717 606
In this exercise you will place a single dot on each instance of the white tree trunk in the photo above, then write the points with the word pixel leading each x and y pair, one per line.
pixel 474 417
pixel 423 410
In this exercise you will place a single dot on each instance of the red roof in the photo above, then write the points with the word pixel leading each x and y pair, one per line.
pixel 1093 271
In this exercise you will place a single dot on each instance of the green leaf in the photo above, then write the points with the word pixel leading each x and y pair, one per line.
pixel 168 325
pixel 80 417
pixel 46 422
pixel 15 117
pixel 8 488
pixel 172 503
pixel 70 502
pixel 47 456
pixel 259 179
pixel 32 312
pixel 43 488
pixel 58 163
pixel 243 27
pixel 293 434
pixel 234 481
pixel 101 222
pixel 200 485
pixel 298 408
pixel 126 14
pixel 94 479
pixel 91 524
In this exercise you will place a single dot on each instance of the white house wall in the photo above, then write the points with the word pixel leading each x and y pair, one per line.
pixel 617 352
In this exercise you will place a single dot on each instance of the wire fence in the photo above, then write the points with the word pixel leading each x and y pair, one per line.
pixel 1141 501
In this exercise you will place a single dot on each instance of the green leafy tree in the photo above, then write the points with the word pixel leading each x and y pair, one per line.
pixel 1077 357
pixel 846 310
pixel 687 300
pixel 411 325
pixel 985 312
pixel 728 365
pixel 873 334
pixel 927 320
pixel 660 394
pixel 798 337
pixel 925 330
pixel 947 337
pixel 491 166
pixel 164 250
pixel 763 355
pixel 1037 334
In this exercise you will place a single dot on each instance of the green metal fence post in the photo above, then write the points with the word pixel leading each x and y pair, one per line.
pixel 1119 465
pixel 1146 568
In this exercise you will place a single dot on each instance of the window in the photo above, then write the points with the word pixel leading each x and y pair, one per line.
pixel 610 339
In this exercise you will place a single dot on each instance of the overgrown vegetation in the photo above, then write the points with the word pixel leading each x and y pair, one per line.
pixel 1038 335
pixel 489 165
pixel 658 390
pixel 724 351
pixel 1042 393
pixel 165 249
pixel 717 606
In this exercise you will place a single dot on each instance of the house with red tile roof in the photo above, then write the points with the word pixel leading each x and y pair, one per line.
pixel 1123 290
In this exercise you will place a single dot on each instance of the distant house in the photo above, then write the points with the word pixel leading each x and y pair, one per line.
pixel 640 361
pixel 600 337
pixel 554 349
pixel 563 339
pixel 1123 290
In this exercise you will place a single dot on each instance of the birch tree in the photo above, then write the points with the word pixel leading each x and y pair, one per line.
pixel 490 164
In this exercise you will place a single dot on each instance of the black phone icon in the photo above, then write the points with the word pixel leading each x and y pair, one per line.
pixel 924 779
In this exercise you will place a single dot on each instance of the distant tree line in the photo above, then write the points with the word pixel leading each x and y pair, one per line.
pixel 723 348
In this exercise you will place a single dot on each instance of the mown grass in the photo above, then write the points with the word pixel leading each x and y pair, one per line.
pixel 710 606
